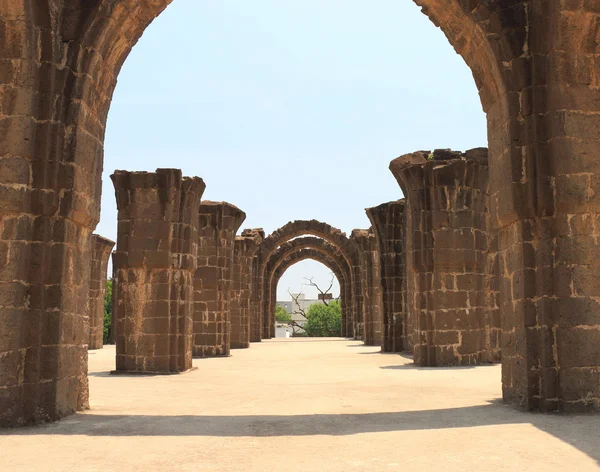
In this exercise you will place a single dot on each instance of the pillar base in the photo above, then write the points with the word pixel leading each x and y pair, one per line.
pixel 148 374
pixel 240 345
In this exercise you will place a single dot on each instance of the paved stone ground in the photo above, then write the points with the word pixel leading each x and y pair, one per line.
pixel 304 405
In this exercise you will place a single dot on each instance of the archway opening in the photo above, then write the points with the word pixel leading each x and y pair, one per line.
pixel 308 302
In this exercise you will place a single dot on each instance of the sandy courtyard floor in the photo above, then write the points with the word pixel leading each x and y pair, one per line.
pixel 303 405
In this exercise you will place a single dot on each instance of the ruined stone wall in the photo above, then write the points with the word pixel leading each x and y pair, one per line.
pixel 245 247
pixel 447 203
pixel 218 223
pixel 371 286
pixel 102 249
pixel 388 222
pixel 155 263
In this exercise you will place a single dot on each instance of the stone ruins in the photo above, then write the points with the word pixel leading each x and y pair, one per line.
pixel 490 257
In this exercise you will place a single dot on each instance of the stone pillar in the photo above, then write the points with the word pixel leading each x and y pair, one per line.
pixel 241 305
pixel 388 222
pixel 371 286
pixel 256 314
pixel 447 205
pixel 101 251
pixel 217 226
pixel 113 325
pixel 154 265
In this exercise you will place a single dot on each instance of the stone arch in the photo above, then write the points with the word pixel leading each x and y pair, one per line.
pixel 287 250
pixel 316 255
pixel 535 66
pixel 334 236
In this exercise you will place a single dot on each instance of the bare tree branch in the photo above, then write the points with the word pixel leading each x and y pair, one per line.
pixel 310 281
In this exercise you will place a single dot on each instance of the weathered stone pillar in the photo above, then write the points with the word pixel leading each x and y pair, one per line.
pixel 388 222
pixel 113 325
pixel 447 205
pixel 241 305
pixel 256 314
pixel 154 264
pixel 217 226
pixel 371 286
pixel 101 251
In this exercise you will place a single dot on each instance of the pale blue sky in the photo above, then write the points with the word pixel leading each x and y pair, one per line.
pixel 289 109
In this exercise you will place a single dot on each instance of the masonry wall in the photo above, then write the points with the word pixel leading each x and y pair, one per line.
pixel 102 249
pixel 218 223
pixel 241 304
pixel 388 222
pixel 447 203
pixel 154 265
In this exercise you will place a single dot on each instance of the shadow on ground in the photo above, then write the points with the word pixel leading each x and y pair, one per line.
pixel 580 431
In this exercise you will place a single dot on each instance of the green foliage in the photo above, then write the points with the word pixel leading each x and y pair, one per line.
pixel 107 310
pixel 323 320
pixel 282 315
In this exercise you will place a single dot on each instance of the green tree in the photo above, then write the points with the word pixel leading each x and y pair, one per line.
pixel 108 311
pixel 324 320
pixel 282 315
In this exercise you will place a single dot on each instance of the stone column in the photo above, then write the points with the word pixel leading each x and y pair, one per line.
pixel 154 265
pixel 101 251
pixel 115 281
pixel 371 286
pixel 218 224
pixel 256 314
pixel 241 293
pixel 447 206
pixel 388 222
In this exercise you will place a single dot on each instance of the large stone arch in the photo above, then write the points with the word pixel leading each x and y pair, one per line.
pixel 343 272
pixel 535 66
pixel 334 236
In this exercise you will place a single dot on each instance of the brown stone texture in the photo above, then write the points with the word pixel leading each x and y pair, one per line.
pixel 446 195
pixel 286 255
pixel 241 304
pixel 155 263
pixel 370 274
pixel 535 64
pixel 102 249
pixel 353 316
pixel 218 223
pixel 388 222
